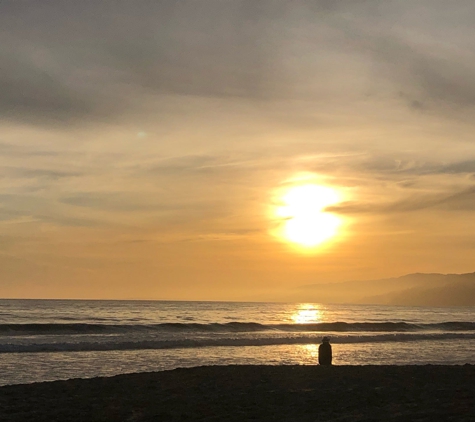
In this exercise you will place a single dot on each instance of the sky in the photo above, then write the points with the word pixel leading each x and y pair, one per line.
pixel 147 148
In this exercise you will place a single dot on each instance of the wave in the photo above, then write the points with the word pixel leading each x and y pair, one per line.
pixel 223 342
pixel 231 327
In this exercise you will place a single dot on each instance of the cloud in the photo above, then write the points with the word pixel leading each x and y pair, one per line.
pixel 7 214
pixel 460 201
pixel 97 68
pixel 122 202
pixel 418 168
pixel 33 93
pixel 45 173
pixel 463 200
pixel 459 167
pixel 184 164
pixel 423 50
pixel 69 62
pixel 395 166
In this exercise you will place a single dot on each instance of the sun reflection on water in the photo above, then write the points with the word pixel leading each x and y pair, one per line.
pixel 311 351
pixel 307 314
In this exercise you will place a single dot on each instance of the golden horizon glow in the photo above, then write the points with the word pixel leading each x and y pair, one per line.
pixel 307 224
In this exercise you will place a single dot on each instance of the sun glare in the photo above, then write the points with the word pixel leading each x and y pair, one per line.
pixel 307 315
pixel 306 223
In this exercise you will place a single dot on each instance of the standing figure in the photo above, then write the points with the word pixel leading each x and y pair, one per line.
pixel 325 352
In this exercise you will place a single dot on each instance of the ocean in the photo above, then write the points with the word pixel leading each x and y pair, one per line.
pixel 45 340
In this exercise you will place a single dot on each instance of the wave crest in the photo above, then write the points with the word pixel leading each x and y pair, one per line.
pixel 235 326
pixel 155 344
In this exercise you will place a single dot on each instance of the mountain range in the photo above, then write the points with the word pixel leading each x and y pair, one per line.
pixel 408 290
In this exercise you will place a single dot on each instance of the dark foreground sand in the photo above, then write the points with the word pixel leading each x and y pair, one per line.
pixel 253 393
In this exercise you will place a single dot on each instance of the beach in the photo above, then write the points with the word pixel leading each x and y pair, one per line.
pixel 257 393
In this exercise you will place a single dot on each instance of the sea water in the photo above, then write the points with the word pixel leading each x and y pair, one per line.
pixel 44 340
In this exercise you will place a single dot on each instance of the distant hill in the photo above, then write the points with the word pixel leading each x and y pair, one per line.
pixel 409 290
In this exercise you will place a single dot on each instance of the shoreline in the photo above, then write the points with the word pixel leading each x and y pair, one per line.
pixel 248 392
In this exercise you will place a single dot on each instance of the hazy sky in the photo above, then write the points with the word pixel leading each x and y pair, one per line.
pixel 144 144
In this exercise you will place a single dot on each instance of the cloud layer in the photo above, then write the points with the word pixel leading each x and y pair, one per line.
pixel 143 144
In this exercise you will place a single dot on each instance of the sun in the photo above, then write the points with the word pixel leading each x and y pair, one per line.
pixel 305 220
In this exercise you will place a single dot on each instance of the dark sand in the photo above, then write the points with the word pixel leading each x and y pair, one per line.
pixel 253 393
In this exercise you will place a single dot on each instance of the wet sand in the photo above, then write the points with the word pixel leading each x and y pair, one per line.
pixel 253 393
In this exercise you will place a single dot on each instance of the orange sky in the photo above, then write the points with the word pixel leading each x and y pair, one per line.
pixel 143 149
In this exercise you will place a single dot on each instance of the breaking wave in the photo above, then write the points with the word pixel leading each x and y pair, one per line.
pixel 230 327
pixel 223 342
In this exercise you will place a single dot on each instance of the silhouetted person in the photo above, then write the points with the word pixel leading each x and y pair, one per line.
pixel 325 352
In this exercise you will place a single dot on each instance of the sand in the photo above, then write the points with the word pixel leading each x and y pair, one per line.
pixel 253 393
